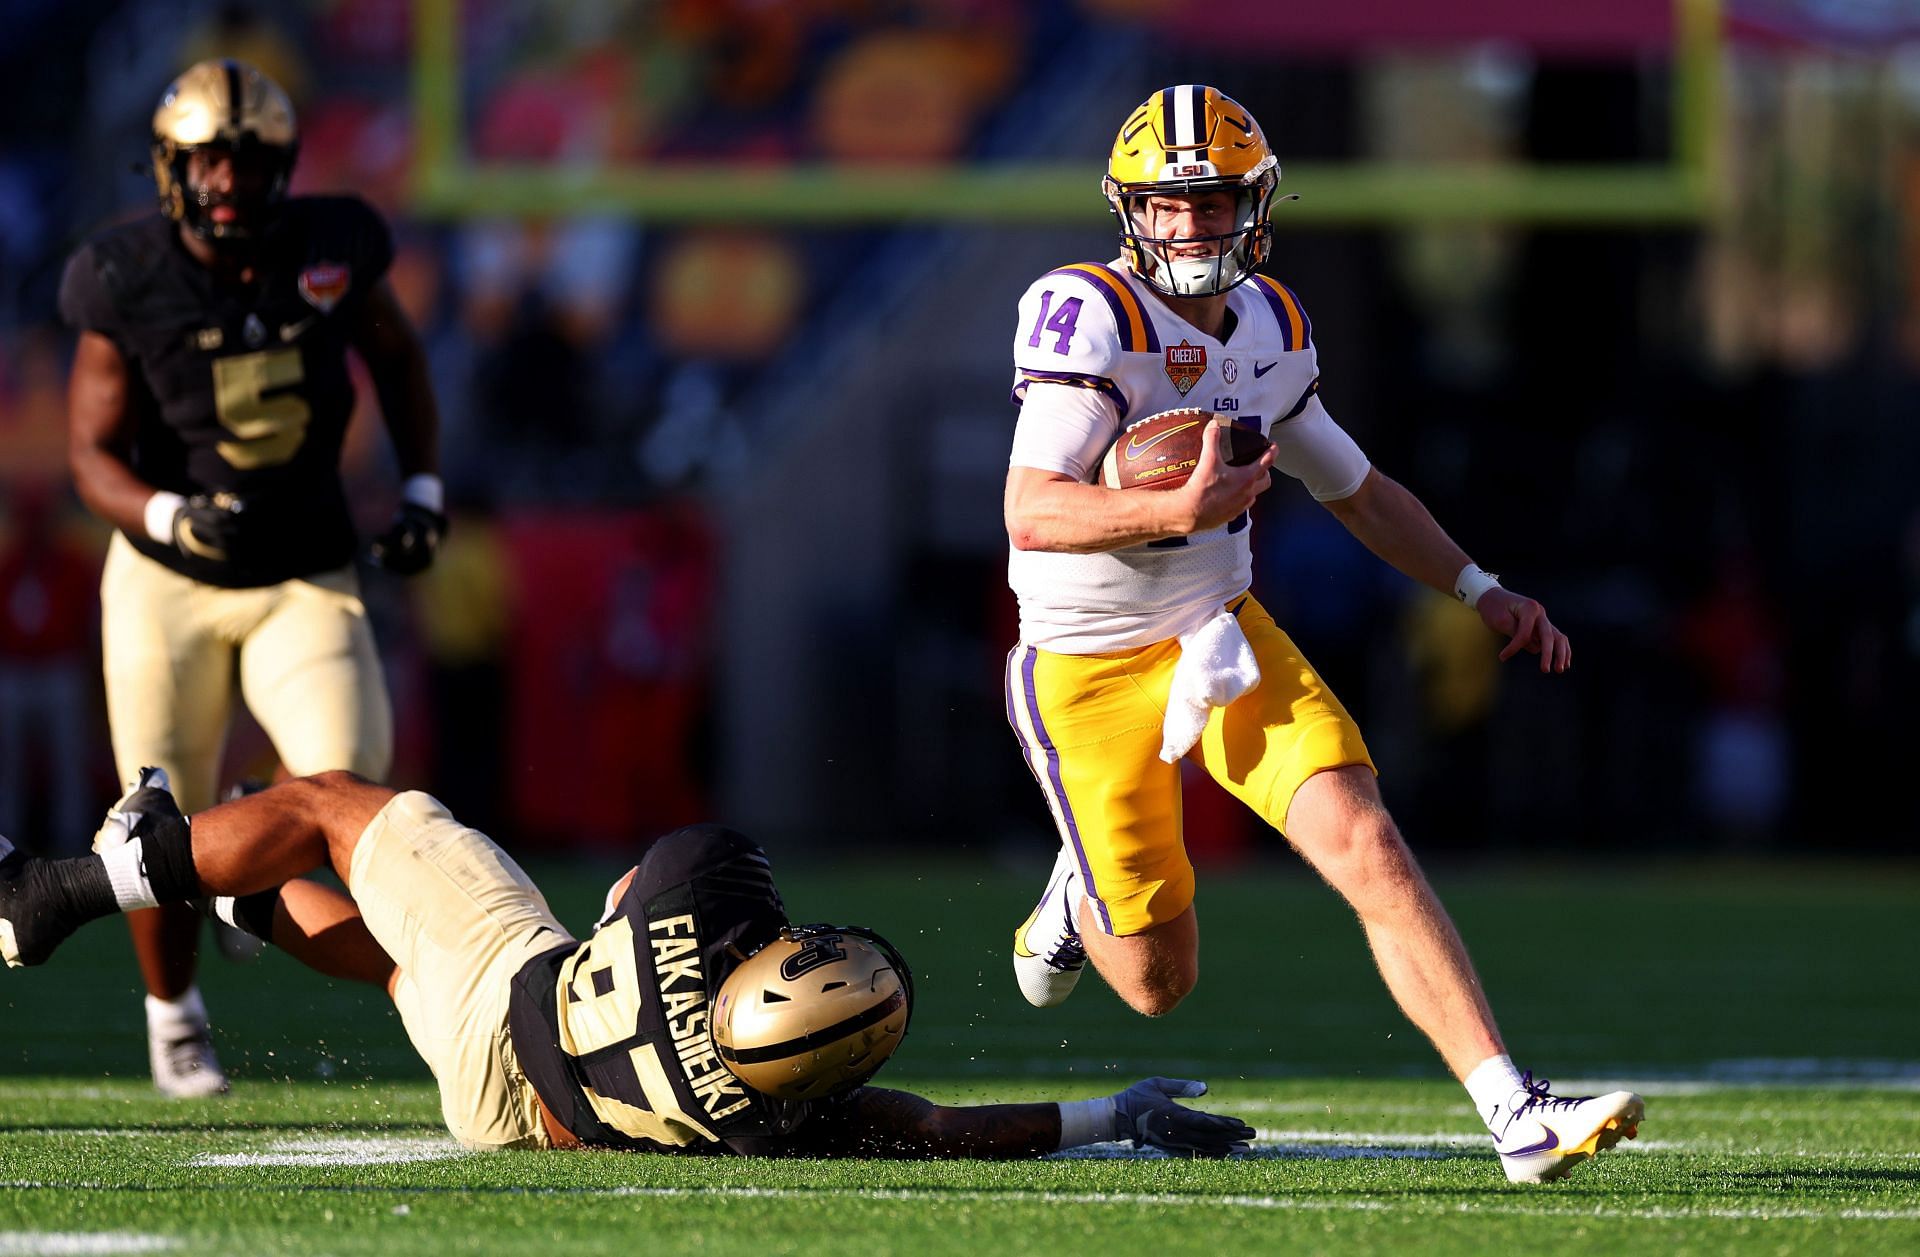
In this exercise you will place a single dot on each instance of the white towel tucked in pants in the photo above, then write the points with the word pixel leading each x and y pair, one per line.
pixel 1216 666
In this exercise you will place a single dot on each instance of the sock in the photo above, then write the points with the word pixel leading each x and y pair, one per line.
pixel 250 913
pixel 79 888
pixel 175 1018
pixel 1492 1084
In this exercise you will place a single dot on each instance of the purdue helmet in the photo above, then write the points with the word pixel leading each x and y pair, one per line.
pixel 1183 141
pixel 224 104
pixel 814 1013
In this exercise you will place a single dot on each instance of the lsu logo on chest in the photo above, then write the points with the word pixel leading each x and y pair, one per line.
pixel 1186 363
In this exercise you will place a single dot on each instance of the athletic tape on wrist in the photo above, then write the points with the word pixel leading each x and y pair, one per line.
pixel 1087 1122
pixel 1472 584
pixel 158 517
pixel 425 490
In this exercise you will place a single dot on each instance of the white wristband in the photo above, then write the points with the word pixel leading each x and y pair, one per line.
pixel 425 490
pixel 1472 584
pixel 158 519
pixel 1087 1122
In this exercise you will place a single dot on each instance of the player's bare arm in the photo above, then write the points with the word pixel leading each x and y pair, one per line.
pixel 384 337
pixel 1394 524
pixel 100 432
pixel 875 1122
pixel 878 1122
pixel 1051 511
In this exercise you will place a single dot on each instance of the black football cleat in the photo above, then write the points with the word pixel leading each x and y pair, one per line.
pixel 31 924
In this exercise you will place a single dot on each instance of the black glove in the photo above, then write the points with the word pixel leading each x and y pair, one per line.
pixel 408 545
pixel 1146 1113
pixel 209 527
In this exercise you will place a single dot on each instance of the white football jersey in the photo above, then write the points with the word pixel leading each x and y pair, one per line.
pixel 1092 326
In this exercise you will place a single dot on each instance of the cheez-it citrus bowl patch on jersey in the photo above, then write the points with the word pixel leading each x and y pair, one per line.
pixel 324 283
pixel 1186 363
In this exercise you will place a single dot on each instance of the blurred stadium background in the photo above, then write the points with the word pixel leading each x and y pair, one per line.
pixel 719 296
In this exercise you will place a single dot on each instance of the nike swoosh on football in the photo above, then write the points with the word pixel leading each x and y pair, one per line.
pixel 1259 370
pixel 1548 1144
pixel 1135 449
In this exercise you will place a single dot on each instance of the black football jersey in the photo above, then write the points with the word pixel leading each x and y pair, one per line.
pixel 614 1033
pixel 242 388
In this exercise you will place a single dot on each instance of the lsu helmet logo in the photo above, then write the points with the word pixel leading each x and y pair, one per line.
pixel 1186 363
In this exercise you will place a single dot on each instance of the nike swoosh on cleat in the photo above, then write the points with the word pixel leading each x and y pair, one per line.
pixel 1259 370
pixel 1020 933
pixel 1551 1142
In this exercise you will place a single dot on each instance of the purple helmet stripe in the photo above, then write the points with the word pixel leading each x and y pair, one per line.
pixel 1067 821
pixel 1166 122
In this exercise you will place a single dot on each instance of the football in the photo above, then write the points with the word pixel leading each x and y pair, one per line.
pixel 1161 451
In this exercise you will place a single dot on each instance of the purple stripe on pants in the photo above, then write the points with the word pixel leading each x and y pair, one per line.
pixel 1060 790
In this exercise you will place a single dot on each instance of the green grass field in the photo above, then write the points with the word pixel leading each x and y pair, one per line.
pixel 1770 1014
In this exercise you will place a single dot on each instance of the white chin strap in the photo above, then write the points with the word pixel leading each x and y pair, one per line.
pixel 1200 277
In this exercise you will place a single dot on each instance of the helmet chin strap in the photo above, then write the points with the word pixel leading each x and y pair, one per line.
pixel 1196 277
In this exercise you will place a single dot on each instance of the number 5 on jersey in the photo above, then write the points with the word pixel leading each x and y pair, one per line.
pixel 249 395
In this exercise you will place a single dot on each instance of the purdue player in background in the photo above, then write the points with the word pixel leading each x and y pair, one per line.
pixel 695 1019
pixel 208 401
pixel 1141 642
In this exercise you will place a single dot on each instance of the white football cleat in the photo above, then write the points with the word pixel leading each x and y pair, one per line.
pixel 1546 1135
pixel 180 1049
pixel 1047 953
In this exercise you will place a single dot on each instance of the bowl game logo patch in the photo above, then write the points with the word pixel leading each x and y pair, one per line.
pixel 1185 365
pixel 323 284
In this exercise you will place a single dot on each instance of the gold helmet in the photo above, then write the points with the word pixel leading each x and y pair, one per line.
pixel 229 106
pixel 815 1012
pixel 1183 141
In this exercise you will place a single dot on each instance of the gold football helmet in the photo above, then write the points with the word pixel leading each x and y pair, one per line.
pixel 231 107
pixel 814 1013
pixel 1183 141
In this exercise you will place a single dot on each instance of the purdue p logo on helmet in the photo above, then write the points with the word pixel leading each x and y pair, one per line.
pixel 1184 141
pixel 815 1012
pixel 229 105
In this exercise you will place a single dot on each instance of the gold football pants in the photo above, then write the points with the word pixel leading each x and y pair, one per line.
pixel 1090 728
pixel 301 652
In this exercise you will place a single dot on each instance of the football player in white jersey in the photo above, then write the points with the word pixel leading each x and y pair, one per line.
pixel 1140 642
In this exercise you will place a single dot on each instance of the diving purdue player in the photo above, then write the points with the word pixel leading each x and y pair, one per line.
pixel 209 398
pixel 694 1019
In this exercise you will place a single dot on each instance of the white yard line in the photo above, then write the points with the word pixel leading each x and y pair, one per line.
pixel 61 1243
pixel 1131 1200
pixel 1162 1199
pixel 331 1152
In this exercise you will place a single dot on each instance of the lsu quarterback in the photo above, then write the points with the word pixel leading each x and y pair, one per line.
pixel 209 397
pixel 1141 642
